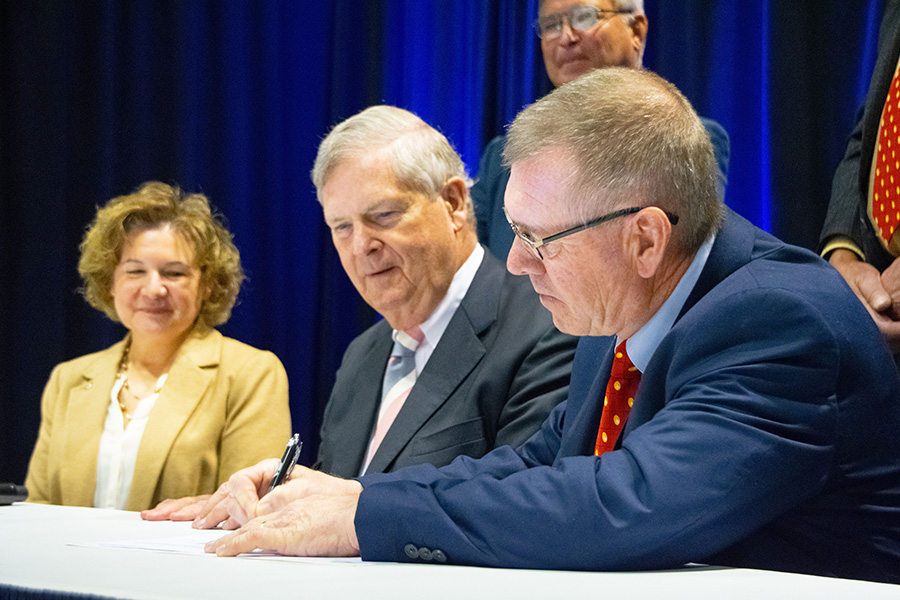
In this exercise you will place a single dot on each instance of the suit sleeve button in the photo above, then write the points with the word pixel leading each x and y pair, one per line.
pixel 424 553
pixel 439 556
pixel 411 551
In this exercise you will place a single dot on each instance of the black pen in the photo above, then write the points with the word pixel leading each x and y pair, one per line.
pixel 291 454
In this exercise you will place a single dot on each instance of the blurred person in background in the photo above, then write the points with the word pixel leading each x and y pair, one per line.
pixel 577 36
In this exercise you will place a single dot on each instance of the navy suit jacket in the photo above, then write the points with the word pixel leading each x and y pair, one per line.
pixel 497 372
pixel 763 435
pixel 850 188
pixel 490 187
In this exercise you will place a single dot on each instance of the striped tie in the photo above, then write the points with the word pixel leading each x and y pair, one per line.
pixel 399 377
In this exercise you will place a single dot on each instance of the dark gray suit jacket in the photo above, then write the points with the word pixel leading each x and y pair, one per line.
pixel 497 372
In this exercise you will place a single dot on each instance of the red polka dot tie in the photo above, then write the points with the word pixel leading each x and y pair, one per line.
pixel 884 204
pixel 623 383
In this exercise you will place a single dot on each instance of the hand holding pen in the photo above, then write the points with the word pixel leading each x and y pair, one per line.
pixel 246 494
pixel 238 499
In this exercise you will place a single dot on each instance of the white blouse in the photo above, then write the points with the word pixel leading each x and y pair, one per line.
pixel 119 447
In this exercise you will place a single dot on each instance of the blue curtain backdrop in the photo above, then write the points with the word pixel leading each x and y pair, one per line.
pixel 230 98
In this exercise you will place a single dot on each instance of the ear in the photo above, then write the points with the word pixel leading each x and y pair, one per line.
pixel 648 236
pixel 639 34
pixel 454 196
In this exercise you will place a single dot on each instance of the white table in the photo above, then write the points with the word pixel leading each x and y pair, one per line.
pixel 37 552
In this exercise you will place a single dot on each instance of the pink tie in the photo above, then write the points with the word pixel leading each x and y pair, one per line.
pixel 399 377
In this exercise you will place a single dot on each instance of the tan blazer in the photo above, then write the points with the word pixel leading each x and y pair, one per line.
pixel 224 407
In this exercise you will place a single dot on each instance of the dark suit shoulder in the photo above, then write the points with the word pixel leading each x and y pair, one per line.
pixel 498 295
pixel 371 336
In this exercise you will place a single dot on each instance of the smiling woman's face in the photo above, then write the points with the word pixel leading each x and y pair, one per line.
pixel 156 286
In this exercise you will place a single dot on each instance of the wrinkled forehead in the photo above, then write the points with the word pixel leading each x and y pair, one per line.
pixel 539 191
pixel 360 185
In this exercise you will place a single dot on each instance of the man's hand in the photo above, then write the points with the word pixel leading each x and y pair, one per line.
pixel 890 280
pixel 235 502
pixel 879 293
pixel 319 525
pixel 246 494
pixel 303 484
pixel 176 509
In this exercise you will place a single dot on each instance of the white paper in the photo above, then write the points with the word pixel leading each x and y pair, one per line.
pixel 183 544
pixel 194 542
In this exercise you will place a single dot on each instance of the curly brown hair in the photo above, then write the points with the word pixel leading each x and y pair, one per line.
pixel 152 206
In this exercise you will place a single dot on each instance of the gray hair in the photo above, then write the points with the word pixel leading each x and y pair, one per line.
pixel 422 158
pixel 635 7
pixel 634 140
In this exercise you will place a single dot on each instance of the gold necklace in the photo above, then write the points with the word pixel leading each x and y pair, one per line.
pixel 127 413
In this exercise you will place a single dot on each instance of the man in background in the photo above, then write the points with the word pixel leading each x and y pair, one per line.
pixel 859 236
pixel 577 36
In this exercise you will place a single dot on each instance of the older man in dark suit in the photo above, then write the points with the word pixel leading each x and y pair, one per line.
pixel 490 365
pixel 466 358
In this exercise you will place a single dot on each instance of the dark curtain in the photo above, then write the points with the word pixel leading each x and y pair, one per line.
pixel 230 98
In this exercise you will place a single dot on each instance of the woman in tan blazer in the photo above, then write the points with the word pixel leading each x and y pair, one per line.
pixel 175 408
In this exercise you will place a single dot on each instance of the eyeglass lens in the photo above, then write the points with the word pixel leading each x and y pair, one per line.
pixel 525 238
pixel 581 17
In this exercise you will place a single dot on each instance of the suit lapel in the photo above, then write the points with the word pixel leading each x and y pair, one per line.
pixel 85 419
pixel 581 430
pixel 361 400
pixel 189 379
pixel 458 352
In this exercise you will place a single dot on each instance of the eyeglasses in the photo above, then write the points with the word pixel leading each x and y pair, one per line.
pixel 534 243
pixel 581 17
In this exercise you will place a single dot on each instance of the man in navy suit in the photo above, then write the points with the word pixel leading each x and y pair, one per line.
pixel 763 429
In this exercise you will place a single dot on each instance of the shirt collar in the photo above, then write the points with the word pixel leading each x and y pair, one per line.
pixel 643 344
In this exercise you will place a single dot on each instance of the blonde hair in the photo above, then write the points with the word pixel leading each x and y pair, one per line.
pixel 152 206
